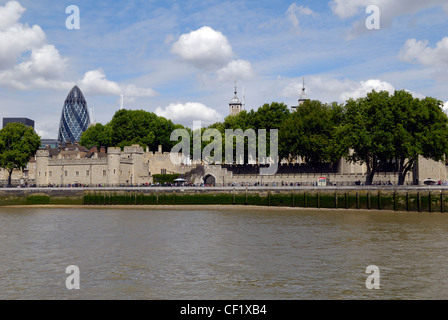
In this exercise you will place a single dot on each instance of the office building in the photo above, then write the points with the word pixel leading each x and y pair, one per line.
pixel 75 117
pixel 25 121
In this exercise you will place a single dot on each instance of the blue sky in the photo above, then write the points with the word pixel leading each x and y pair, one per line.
pixel 181 59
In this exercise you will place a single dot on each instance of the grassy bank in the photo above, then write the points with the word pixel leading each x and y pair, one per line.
pixel 40 199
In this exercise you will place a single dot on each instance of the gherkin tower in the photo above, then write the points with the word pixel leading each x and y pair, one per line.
pixel 75 117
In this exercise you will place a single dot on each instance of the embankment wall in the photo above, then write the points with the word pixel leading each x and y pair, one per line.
pixel 412 199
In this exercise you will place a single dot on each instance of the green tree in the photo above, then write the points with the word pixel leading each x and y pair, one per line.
pixel 267 117
pixel 420 129
pixel 383 128
pixel 310 132
pixel 368 131
pixel 18 143
pixel 129 127
pixel 98 135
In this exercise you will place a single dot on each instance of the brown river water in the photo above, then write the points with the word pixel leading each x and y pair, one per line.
pixel 221 254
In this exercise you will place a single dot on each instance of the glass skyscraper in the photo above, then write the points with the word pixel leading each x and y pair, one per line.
pixel 75 117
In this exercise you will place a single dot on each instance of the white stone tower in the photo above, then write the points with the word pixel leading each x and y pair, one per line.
pixel 113 166
pixel 303 96
pixel 235 105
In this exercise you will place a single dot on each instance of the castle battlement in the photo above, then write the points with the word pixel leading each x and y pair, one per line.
pixel 134 149
pixel 112 150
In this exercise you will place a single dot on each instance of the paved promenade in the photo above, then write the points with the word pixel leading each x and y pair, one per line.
pixel 228 189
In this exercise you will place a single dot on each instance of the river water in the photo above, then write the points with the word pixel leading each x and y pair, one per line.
pixel 221 254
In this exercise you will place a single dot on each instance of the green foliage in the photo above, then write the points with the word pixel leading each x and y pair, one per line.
pixel 129 127
pixel 368 131
pixel 141 127
pixel 267 117
pixel 18 143
pixel 310 132
pixel 382 128
pixel 38 199
pixel 165 178
pixel 97 135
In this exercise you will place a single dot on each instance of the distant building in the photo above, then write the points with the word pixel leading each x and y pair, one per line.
pixel 75 164
pixel 75 117
pixel 25 121
pixel 235 106
pixel 49 143
pixel 303 96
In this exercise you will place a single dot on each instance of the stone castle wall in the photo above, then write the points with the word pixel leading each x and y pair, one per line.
pixel 134 166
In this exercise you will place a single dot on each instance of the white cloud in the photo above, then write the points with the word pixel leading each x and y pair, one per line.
pixel 445 107
pixel 210 51
pixel 95 82
pixel 10 14
pixel 42 66
pixel 364 87
pixel 348 8
pixel 187 113
pixel 16 38
pixel 44 69
pixel 419 52
pixel 204 48
pixel 330 89
pixel 45 62
pixel 236 70
pixel 389 10
pixel 294 10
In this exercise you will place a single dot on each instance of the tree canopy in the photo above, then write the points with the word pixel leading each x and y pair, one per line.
pixel 397 128
pixel 18 143
pixel 310 132
pixel 97 135
pixel 268 117
pixel 129 127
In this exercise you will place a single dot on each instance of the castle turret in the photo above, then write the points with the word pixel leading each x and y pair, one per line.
pixel 303 96
pixel 113 166
pixel 135 153
pixel 235 105
pixel 42 159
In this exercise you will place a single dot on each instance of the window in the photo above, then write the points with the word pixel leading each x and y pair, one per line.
pixel 66 173
pixel 87 172
pixel 163 171
pixel 77 173
pixel 104 173
pixel 50 173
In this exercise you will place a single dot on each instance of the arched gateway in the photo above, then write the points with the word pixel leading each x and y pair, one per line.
pixel 209 180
